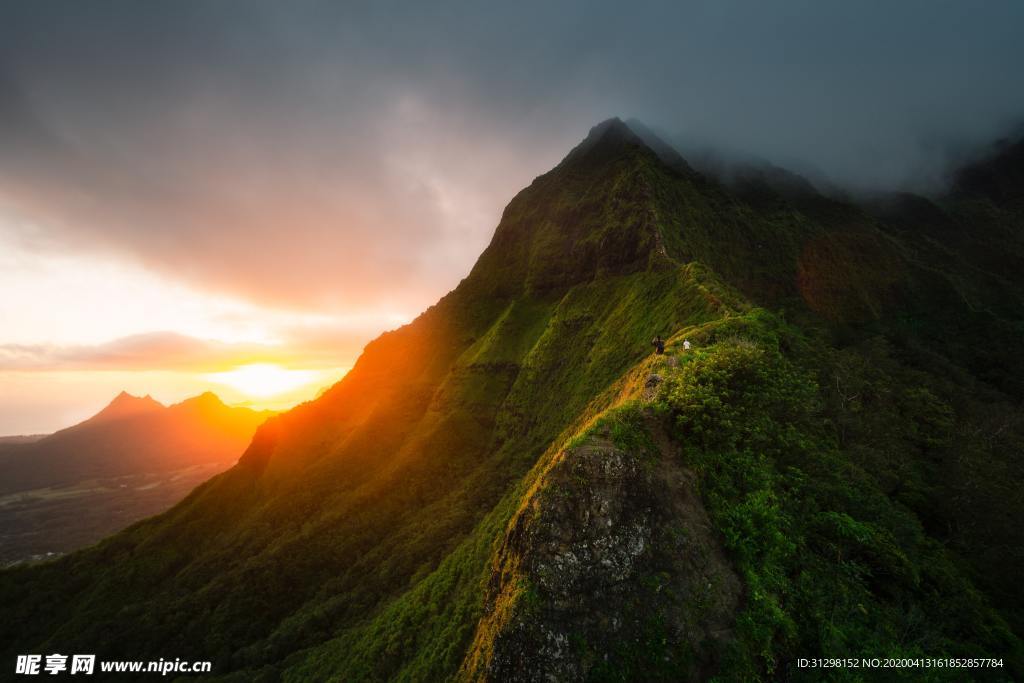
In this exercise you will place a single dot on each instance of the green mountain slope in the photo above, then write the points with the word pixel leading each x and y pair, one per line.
pixel 513 486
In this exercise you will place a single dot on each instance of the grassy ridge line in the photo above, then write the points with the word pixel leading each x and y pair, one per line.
pixel 832 565
pixel 422 635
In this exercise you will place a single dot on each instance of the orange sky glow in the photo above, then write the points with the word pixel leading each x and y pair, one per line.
pixel 82 327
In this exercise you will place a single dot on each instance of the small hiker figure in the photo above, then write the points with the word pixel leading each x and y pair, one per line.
pixel 686 344
pixel 658 344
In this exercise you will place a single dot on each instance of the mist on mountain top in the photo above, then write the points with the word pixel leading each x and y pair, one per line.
pixel 177 132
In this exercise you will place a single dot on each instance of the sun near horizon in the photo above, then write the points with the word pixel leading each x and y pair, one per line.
pixel 269 385
pixel 76 339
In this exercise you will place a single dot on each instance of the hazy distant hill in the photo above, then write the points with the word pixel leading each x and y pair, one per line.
pixel 130 436
pixel 134 458
pixel 21 438
pixel 514 487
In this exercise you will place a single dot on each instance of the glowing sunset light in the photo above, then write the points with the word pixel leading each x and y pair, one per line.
pixel 264 380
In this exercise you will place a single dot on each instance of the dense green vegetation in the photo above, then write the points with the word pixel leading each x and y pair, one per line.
pixel 851 408
pixel 831 563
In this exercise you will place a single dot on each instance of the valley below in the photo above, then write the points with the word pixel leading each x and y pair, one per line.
pixel 45 523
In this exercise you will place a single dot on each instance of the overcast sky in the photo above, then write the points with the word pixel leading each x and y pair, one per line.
pixel 309 173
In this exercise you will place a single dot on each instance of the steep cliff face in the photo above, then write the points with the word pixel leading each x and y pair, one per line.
pixel 591 216
pixel 611 568
pixel 502 490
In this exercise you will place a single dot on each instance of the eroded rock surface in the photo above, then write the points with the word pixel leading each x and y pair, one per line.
pixel 610 570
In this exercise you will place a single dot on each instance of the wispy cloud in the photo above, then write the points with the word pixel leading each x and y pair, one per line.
pixel 177 352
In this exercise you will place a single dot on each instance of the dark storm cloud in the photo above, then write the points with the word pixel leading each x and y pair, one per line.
pixel 329 154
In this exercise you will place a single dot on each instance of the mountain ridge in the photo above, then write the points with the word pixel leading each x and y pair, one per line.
pixel 133 459
pixel 411 523
pixel 125 405
pixel 120 428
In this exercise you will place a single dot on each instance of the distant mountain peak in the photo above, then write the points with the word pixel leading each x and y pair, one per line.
pixel 124 398
pixel 607 138
pixel 207 399
pixel 613 128
pixel 126 405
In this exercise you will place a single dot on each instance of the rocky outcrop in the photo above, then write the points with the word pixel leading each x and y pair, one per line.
pixel 610 569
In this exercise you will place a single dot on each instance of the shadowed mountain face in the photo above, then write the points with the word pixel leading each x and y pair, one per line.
pixel 133 459
pixel 512 487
